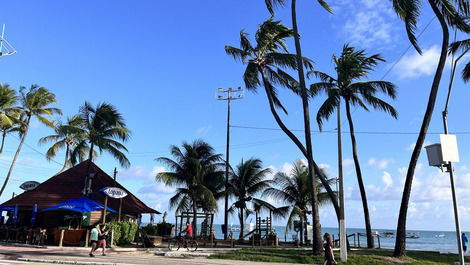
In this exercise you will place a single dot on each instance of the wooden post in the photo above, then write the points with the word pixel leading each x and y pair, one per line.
pixel 253 240
pixel 120 208
pixel 62 232
pixel 378 239
pixel 8 234
pixel 87 237
pixel 359 240
pixel 111 243
pixel 232 244
pixel 105 208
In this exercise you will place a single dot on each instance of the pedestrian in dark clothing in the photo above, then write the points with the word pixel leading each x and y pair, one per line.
pixel 464 242
pixel 329 256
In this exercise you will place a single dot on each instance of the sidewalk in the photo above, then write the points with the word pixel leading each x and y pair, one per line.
pixel 80 256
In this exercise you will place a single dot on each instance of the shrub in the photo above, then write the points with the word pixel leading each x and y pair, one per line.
pixel 150 230
pixel 124 232
pixel 164 229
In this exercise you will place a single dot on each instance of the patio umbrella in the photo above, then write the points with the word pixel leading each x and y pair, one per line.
pixel 81 205
pixel 15 214
pixel 33 214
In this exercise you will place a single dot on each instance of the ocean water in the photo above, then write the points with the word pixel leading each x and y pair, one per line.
pixel 441 241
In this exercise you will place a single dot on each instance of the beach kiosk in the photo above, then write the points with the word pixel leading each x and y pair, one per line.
pixel 59 204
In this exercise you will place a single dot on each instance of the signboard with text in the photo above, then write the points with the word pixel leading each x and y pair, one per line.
pixel 114 192
pixel 29 185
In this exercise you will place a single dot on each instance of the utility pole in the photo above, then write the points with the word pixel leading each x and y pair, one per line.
pixel 449 165
pixel 5 47
pixel 342 224
pixel 228 95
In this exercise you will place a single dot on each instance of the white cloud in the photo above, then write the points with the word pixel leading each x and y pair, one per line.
pixel 366 22
pixel 379 163
pixel 387 179
pixel 415 65
pixel 204 130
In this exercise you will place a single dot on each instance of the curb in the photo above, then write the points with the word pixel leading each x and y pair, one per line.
pixel 69 262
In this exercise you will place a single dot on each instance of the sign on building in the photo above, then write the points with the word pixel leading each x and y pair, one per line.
pixel 114 192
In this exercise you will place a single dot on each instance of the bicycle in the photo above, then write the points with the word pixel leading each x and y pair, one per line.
pixel 178 242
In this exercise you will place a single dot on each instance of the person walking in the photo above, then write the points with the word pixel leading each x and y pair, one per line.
pixel 94 234
pixel 329 255
pixel 464 242
pixel 102 240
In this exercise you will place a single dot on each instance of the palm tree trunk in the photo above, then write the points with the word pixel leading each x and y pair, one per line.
pixel 370 239
pixel 4 134
pixel 299 145
pixel 242 223
pixel 67 151
pixel 400 242
pixel 23 138
pixel 317 243
pixel 301 229
pixel 194 218
pixel 90 158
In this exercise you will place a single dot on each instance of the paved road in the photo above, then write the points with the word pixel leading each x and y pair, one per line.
pixel 13 253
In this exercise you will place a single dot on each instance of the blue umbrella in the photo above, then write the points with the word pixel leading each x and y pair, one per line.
pixel 15 214
pixel 81 205
pixel 33 215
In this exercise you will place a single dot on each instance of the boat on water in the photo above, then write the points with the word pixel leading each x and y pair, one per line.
pixel 440 235
pixel 412 235
pixel 388 234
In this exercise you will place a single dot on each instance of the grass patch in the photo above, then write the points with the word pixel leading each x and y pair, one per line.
pixel 358 257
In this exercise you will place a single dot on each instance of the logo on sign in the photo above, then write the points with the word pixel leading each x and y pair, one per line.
pixel 114 192
pixel 29 185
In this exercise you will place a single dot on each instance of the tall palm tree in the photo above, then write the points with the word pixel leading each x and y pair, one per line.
pixel 265 63
pixel 447 12
pixel 247 180
pixel 351 67
pixel 462 47
pixel 317 242
pixel 35 102
pixel 192 167
pixel 9 113
pixel 67 135
pixel 293 188
pixel 103 128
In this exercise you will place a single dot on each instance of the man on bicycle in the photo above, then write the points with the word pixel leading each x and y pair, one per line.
pixel 188 233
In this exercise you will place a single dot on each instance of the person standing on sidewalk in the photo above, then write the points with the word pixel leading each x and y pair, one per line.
pixel 102 240
pixel 95 232
pixel 464 242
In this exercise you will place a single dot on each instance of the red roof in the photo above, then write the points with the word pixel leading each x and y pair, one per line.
pixel 69 185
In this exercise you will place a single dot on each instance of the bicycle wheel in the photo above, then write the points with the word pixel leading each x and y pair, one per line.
pixel 192 245
pixel 173 244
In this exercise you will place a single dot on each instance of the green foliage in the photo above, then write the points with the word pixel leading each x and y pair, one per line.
pixel 150 230
pixel 124 232
pixel 164 229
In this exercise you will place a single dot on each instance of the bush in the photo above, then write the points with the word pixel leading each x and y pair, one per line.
pixel 164 229
pixel 124 232
pixel 150 230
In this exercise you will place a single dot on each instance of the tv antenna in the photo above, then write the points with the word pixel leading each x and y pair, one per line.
pixel 5 46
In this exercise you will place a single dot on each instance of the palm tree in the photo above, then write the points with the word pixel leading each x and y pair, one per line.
pixel 103 127
pixel 35 102
pixel 192 167
pixel 265 63
pixel 351 67
pixel 462 47
pixel 247 180
pixel 9 113
pixel 313 168
pixel 66 135
pixel 448 14
pixel 293 189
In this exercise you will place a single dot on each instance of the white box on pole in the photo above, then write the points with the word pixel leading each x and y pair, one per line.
pixel 450 151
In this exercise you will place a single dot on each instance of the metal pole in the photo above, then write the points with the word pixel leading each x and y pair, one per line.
pixel 238 94
pixel 227 165
pixel 449 166
pixel 1 40
pixel 342 224
pixel 450 169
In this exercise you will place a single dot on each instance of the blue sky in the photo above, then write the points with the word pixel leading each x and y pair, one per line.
pixel 160 63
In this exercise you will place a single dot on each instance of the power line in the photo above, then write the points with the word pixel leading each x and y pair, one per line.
pixel 345 132
pixel 37 151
